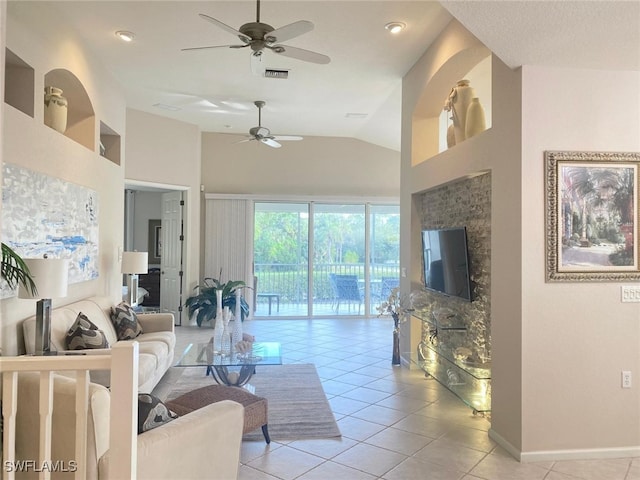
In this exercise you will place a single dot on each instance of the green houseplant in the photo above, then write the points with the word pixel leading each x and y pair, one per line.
pixel 15 271
pixel 205 305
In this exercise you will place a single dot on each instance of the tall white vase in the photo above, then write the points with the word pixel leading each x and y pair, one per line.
pixel 475 122
pixel 218 329
pixel 55 109
pixel 236 333
pixel 460 99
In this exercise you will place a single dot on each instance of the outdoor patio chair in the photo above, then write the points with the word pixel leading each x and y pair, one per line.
pixel 388 284
pixel 347 290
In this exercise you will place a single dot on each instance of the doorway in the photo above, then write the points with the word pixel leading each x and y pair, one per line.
pixel 154 222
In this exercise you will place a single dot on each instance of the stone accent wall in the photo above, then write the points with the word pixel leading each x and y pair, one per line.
pixel 465 203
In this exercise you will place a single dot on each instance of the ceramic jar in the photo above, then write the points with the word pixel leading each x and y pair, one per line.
pixel 55 109
pixel 459 100
pixel 475 121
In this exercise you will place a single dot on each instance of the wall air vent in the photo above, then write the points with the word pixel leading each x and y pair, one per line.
pixel 273 73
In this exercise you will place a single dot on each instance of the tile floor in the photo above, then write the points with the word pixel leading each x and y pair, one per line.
pixel 395 423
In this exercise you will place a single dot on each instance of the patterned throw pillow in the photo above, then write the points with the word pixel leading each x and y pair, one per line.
pixel 125 321
pixel 84 334
pixel 152 412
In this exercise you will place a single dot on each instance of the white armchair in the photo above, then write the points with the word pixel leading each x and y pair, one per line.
pixel 202 444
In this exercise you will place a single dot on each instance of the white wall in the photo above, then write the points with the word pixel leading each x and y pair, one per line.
pixel 313 166
pixel 577 337
pixel 558 349
pixel 167 152
pixel 29 143
pixel 448 59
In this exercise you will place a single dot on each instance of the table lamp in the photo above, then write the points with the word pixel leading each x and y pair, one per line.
pixel 51 276
pixel 134 263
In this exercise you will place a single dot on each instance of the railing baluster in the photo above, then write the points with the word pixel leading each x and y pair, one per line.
pixel 9 409
pixel 46 407
pixel 82 411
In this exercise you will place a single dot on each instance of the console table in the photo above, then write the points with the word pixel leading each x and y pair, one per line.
pixel 465 376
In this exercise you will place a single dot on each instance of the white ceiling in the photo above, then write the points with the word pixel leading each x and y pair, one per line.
pixel 215 88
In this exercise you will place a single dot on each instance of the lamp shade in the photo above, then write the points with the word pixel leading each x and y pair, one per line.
pixel 51 276
pixel 135 262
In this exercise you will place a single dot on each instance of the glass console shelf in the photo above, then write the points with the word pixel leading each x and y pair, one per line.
pixel 468 379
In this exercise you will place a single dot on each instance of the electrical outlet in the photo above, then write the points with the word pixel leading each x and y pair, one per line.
pixel 630 293
pixel 626 379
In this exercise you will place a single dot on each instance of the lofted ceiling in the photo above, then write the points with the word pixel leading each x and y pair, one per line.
pixel 358 94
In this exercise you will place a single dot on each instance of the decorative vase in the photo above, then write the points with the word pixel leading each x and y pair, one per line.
pixel 475 121
pixel 225 348
pixel 218 329
pixel 451 136
pixel 395 358
pixel 236 335
pixel 459 99
pixel 55 109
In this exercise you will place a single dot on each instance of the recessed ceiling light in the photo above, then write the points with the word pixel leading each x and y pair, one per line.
pixel 356 115
pixel 125 36
pixel 395 27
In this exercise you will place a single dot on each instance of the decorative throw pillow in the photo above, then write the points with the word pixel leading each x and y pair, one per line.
pixel 125 321
pixel 84 334
pixel 152 412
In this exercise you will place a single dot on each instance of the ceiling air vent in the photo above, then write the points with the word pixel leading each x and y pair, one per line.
pixel 273 73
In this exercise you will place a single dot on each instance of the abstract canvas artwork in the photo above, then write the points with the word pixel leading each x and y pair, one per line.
pixel 46 215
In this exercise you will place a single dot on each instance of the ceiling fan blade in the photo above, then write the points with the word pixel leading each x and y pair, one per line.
pixel 213 46
pixel 257 64
pixel 248 139
pixel 224 26
pixel 270 142
pixel 287 138
pixel 288 32
pixel 300 54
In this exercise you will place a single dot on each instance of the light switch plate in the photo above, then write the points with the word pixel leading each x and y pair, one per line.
pixel 630 293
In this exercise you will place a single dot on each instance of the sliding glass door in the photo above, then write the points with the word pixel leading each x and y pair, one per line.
pixel 281 259
pixel 354 258
pixel 338 259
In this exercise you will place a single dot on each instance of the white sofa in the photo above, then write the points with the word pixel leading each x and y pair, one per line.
pixel 157 341
pixel 204 443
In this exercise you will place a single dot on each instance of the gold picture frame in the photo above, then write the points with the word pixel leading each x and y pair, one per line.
pixel 591 216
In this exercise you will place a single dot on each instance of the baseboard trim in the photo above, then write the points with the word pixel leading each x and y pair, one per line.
pixel 500 440
pixel 555 455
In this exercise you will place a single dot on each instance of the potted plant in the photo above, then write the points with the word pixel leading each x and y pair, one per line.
pixel 15 271
pixel 205 305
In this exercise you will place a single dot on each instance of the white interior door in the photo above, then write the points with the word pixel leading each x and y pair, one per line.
pixel 172 254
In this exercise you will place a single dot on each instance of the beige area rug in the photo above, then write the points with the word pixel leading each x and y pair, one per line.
pixel 298 406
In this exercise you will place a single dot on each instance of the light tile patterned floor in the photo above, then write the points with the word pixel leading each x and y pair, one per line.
pixel 395 423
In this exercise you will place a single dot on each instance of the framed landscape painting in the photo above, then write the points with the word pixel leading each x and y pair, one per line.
pixel 592 216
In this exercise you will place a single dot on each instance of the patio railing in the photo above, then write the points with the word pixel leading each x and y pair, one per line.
pixel 290 281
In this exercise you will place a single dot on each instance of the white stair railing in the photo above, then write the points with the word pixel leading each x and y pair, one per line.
pixel 123 363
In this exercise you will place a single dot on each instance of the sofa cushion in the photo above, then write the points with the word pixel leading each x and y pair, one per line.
pixel 125 321
pixel 84 334
pixel 168 338
pixel 152 412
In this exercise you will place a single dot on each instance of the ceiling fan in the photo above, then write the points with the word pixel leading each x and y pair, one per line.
pixel 261 36
pixel 262 134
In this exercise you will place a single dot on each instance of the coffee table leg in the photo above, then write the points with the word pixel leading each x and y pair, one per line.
pixel 223 376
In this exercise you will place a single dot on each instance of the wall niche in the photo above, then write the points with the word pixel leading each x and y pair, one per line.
pixel 80 114
pixel 19 79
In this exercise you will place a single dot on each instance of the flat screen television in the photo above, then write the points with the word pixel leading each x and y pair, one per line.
pixel 446 262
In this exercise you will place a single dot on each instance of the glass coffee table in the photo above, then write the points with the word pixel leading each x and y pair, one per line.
pixel 235 369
